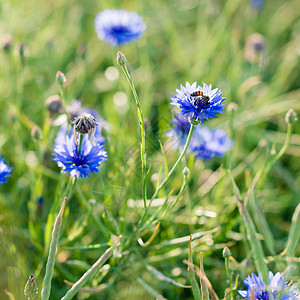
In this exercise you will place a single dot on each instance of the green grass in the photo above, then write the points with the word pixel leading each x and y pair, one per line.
pixel 185 41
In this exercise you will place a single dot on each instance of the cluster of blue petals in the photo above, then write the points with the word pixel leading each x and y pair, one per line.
pixel 196 110
pixel 277 288
pixel 4 170
pixel 118 26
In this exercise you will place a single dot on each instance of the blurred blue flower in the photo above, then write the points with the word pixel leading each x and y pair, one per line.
pixel 208 143
pixel 4 170
pixel 257 4
pixel 195 108
pixel 179 132
pixel 118 26
pixel 74 162
pixel 276 289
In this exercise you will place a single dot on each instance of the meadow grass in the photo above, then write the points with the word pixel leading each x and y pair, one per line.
pixel 245 201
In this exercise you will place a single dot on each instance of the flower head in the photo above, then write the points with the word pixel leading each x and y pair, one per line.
pixel 4 170
pixel 208 143
pixel 180 131
pixel 118 26
pixel 75 160
pixel 31 289
pixel 198 108
pixel 276 289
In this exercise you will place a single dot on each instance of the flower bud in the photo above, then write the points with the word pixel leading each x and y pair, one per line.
pixel 291 117
pixel 54 105
pixel 186 171
pixel 6 42
pixel 31 288
pixel 36 133
pixel 60 78
pixel 232 107
pixel 226 252
pixel 121 59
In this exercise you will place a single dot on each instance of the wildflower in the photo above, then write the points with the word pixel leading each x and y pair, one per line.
pixel 255 49
pixel 117 27
pixel 257 289
pixel 4 170
pixel 31 289
pixel 121 59
pixel 60 78
pixel 180 131
pixel 257 4
pixel 78 160
pixel 85 123
pixel 194 107
pixel 6 42
pixel 208 143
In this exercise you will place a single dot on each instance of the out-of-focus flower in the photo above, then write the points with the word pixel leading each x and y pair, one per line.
pixel 78 160
pixel 4 170
pixel 255 49
pixel 6 42
pixel 54 105
pixel 118 26
pixel 60 77
pixel 179 132
pixel 276 289
pixel 257 4
pixel 208 143
pixel 198 108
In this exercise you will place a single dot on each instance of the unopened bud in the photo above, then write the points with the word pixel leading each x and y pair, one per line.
pixel 186 171
pixel 121 59
pixel 6 42
pixel 226 252
pixel 31 288
pixel 36 133
pixel 291 117
pixel 54 105
pixel 60 78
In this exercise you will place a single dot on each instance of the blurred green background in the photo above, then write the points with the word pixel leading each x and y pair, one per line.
pixel 185 40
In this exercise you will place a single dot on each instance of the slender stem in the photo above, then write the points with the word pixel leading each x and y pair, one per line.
pixel 228 276
pixel 52 254
pixel 143 133
pixel 63 101
pixel 91 271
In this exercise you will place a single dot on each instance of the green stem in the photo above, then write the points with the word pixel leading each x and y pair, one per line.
pixel 229 277
pixel 63 101
pixel 52 254
pixel 143 133
pixel 91 271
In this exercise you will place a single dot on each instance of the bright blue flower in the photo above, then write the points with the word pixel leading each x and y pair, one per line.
pixel 74 162
pixel 277 289
pixel 208 143
pixel 179 132
pixel 4 170
pixel 118 26
pixel 193 107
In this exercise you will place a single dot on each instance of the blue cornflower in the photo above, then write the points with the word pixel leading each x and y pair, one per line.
pixel 119 26
pixel 194 107
pixel 179 132
pixel 79 163
pixel 277 289
pixel 4 170
pixel 208 143
pixel 257 4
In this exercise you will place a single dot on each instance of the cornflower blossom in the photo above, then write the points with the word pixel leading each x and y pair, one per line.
pixel 198 108
pixel 4 170
pixel 119 26
pixel 78 159
pixel 208 143
pixel 179 132
pixel 277 288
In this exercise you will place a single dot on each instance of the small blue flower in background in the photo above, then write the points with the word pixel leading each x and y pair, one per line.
pixel 208 143
pixel 118 26
pixel 257 289
pixel 74 162
pixel 257 4
pixel 4 170
pixel 195 108
pixel 179 132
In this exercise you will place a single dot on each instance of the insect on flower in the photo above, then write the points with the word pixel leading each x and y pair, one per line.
pixel 201 100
